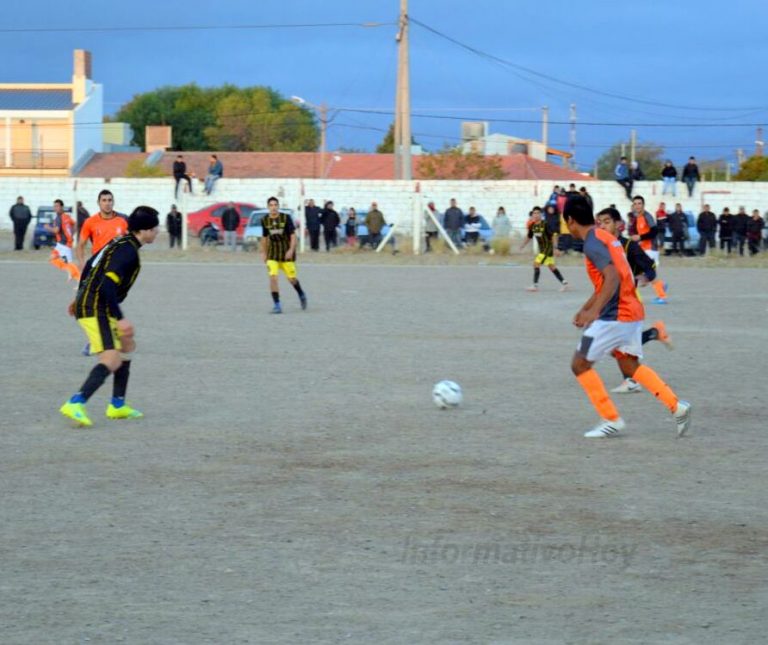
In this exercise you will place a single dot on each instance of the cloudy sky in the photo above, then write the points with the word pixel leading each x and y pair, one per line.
pixel 687 75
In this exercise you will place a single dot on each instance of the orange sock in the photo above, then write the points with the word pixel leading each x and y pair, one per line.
pixel 74 272
pixel 653 383
pixel 658 287
pixel 598 395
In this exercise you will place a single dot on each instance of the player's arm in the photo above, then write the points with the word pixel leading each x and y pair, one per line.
pixel 263 242
pixel 600 298
pixel 85 234
pixel 290 229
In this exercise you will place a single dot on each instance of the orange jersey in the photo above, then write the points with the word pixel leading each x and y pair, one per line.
pixel 600 250
pixel 644 223
pixel 66 226
pixel 102 231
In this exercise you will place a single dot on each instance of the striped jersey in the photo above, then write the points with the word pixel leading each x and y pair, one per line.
pixel 107 278
pixel 543 233
pixel 278 231
pixel 600 250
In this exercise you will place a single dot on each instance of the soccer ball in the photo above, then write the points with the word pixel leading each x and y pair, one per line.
pixel 446 394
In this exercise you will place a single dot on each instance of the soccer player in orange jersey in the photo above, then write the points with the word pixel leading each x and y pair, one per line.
pixel 100 229
pixel 612 320
pixel 63 228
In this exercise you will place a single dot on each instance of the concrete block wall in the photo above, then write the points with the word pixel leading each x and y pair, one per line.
pixel 396 199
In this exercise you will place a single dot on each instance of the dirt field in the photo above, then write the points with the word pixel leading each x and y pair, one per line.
pixel 292 481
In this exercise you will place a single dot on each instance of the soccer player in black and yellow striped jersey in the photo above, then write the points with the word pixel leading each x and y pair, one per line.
pixel 278 251
pixel 546 238
pixel 107 278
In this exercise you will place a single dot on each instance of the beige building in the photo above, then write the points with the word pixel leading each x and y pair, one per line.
pixel 51 128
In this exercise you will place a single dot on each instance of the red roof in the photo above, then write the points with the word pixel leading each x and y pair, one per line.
pixel 308 165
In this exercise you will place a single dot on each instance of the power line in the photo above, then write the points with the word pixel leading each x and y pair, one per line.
pixel 578 86
pixel 48 30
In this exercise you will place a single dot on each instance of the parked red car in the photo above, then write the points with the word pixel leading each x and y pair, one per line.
pixel 201 219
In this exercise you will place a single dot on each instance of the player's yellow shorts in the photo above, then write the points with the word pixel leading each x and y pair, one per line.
pixel 101 332
pixel 546 260
pixel 289 268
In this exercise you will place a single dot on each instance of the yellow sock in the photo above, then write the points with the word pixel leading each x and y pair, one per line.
pixel 598 395
pixel 653 383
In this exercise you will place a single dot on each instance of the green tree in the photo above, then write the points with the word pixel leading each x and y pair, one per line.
pixel 137 168
pixel 753 169
pixel 457 165
pixel 387 145
pixel 648 155
pixel 222 118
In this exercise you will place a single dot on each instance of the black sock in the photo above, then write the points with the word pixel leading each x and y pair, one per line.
pixel 120 381
pixel 650 334
pixel 276 297
pixel 94 381
pixel 536 274
pixel 297 286
pixel 558 275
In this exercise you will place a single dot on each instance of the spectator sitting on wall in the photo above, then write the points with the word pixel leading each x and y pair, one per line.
pixel 215 172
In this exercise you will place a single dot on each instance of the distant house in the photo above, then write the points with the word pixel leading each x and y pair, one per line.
pixel 51 128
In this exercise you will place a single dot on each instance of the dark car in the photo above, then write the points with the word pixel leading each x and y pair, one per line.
pixel 44 217
pixel 200 220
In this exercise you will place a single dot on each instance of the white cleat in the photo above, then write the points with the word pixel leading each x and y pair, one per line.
pixel 533 288
pixel 565 287
pixel 606 429
pixel 682 416
pixel 627 386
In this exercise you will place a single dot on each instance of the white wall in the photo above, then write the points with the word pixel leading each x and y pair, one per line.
pixel 395 198
pixel 88 128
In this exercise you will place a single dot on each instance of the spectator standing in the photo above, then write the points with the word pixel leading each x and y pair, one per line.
pixel 313 218
pixel 553 196
pixel 623 177
pixel 21 216
pixel 739 227
pixel 179 173
pixel 82 215
pixel 562 198
pixel 661 223
pixel 215 172
pixel 374 222
pixel 331 220
pixel 430 228
pixel 173 226
pixel 453 220
pixel 707 226
pixel 669 178
pixel 678 224
pixel 502 226
pixel 691 175
pixel 637 173
pixel 587 196
pixel 230 222
pixel 755 232
pixel 725 232
pixel 350 227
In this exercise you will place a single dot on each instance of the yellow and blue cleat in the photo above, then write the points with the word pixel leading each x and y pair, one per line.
pixel 76 412
pixel 125 411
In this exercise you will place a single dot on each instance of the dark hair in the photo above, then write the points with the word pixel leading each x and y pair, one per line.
pixel 536 208
pixel 105 192
pixel 58 201
pixel 273 199
pixel 640 197
pixel 143 218
pixel 578 209
pixel 615 215
pixel 214 156
pixel 623 159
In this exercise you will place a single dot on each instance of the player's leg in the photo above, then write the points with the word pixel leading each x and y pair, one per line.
pixel 118 408
pixel 598 340
pixel 550 262
pixel 536 273
pixel 289 268
pixel 104 342
pixel 272 270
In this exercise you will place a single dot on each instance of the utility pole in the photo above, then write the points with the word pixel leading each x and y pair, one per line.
pixel 573 134
pixel 740 156
pixel 545 127
pixel 759 142
pixel 403 100
pixel 632 145
pixel 323 111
